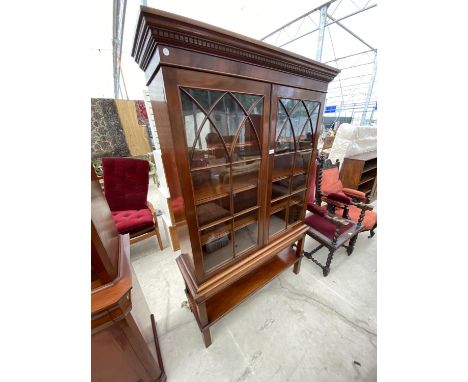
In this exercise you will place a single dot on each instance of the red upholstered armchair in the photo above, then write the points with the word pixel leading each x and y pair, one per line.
pixel 126 189
pixel 342 201
pixel 331 232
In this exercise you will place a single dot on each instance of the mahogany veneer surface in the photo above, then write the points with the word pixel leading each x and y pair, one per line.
pixel 220 304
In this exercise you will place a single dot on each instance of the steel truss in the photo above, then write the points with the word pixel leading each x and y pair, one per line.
pixel 326 19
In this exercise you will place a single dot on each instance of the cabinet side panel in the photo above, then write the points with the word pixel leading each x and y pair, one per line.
pixel 168 153
pixel 351 173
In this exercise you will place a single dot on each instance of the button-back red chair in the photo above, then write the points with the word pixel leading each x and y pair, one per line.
pixel 126 190
pixel 342 201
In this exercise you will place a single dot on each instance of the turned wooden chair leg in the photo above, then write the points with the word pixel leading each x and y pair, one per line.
pixel 156 229
pixel 158 236
pixel 350 248
pixel 326 268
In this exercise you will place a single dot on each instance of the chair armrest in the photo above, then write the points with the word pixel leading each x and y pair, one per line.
pixel 151 208
pixel 355 193
pixel 326 215
pixel 335 220
pixel 362 206
pixel 339 198
pixel 335 203
pixel 316 209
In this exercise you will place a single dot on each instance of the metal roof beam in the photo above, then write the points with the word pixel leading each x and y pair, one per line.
pixel 118 24
pixel 350 32
pixel 297 19
pixel 316 29
pixel 350 55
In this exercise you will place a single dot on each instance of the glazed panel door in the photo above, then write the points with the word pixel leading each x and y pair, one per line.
pixel 294 130
pixel 225 133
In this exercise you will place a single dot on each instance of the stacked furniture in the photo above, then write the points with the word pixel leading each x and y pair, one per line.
pixel 238 123
pixel 352 140
pixel 359 172
pixel 122 328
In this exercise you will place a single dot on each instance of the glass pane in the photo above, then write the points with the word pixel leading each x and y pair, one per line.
pixel 248 100
pixel 305 140
pixel 302 162
pixel 285 138
pixel 245 199
pixel 282 166
pixel 282 117
pixel 277 217
pixel 216 245
pixel 214 210
pixel 208 148
pixel 245 232
pixel 295 208
pixel 298 119
pixel 298 182
pixel 289 104
pixel 245 175
pixel 312 106
pixel 228 116
pixel 210 183
pixel 247 145
pixel 297 198
pixel 206 98
pixel 280 188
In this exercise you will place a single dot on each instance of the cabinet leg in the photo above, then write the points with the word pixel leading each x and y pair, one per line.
pixel 297 266
pixel 204 321
pixel 206 337
pixel 299 249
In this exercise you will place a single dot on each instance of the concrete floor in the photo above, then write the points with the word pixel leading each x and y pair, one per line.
pixel 297 328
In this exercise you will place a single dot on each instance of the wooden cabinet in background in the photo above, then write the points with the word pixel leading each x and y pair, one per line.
pixel 238 123
pixel 124 343
pixel 359 172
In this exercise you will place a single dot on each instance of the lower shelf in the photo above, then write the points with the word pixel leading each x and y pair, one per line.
pixel 221 303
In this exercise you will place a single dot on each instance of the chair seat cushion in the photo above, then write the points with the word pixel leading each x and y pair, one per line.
pixel 132 220
pixel 324 226
pixel 370 218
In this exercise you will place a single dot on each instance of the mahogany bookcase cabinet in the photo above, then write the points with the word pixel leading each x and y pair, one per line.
pixel 238 122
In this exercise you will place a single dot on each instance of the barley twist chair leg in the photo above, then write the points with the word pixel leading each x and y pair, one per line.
pixel 350 247
pixel 326 268
pixel 372 233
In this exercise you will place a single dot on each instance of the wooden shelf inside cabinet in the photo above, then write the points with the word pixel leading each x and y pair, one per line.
pixel 279 174
pixel 279 206
pixel 366 178
pixel 238 224
pixel 220 103
pixel 369 168
pixel 222 303
pixel 209 191
pixel 359 172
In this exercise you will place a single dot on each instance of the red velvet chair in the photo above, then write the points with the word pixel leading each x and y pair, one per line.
pixel 126 189
pixel 330 231
pixel 342 201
